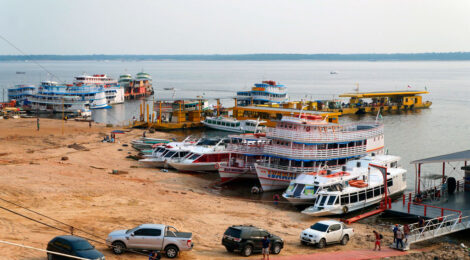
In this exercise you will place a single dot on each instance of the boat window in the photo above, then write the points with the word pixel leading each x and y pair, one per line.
pixel 331 200
pixel 319 227
pixel 370 193
pixel 353 197
pixel 377 192
pixel 194 156
pixel 169 154
pixel 362 195
pixel 393 165
pixel 218 122
pixel 390 183
pixel 291 187
pixel 310 189
pixel 323 199
pixel 382 190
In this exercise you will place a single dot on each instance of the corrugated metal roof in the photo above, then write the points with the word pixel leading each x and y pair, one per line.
pixel 451 157
pixel 384 93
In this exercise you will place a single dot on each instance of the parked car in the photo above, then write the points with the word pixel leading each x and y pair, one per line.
pixel 72 245
pixel 326 232
pixel 150 237
pixel 248 240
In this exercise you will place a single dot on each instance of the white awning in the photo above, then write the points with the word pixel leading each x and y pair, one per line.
pixel 451 157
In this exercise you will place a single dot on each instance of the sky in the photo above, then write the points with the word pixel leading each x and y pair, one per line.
pixel 234 26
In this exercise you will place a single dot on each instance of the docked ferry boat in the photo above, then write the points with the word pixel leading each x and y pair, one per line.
pixel 114 92
pixel 140 86
pixel 307 143
pixel 233 125
pixel 362 192
pixel 22 94
pixel 54 97
pixel 305 188
pixel 243 151
pixel 262 93
pixel 201 158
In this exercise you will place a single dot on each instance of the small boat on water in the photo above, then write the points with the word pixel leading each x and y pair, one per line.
pixel 243 151
pixel 362 192
pixel 233 125
pixel 168 88
pixel 201 158
pixel 305 188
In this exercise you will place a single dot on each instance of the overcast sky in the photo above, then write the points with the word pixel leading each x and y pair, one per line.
pixel 234 26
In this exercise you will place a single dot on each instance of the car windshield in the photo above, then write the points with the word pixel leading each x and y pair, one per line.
pixel 81 245
pixel 320 227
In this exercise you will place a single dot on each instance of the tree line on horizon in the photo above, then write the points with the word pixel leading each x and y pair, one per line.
pixel 450 56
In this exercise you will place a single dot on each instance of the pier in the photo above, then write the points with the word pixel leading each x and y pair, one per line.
pixel 445 206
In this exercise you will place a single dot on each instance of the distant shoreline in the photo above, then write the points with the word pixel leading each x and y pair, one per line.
pixel 444 56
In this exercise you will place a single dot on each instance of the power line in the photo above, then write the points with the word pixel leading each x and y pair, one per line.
pixel 31 58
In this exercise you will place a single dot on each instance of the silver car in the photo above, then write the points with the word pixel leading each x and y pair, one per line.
pixel 150 237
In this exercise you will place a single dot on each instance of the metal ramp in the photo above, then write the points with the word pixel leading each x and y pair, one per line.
pixel 435 227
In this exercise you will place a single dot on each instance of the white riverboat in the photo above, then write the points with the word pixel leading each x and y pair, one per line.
pixel 54 97
pixel 22 94
pixel 114 91
pixel 305 144
pixel 363 192
pixel 201 158
pixel 262 93
pixel 233 125
pixel 305 188
pixel 243 151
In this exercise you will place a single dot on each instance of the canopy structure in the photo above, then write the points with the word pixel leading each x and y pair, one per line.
pixel 384 94
pixel 462 156
pixel 451 157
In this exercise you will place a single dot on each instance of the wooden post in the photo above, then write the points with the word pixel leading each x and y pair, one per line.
pixel 148 121
pixel 160 111
pixel 179 115
pixel 218 107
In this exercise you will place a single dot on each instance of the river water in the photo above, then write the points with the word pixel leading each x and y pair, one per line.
pixel 411 135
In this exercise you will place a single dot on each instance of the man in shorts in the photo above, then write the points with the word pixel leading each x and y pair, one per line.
pixel 377 240
pixel 265 250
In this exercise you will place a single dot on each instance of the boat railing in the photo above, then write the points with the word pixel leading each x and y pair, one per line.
pixel 293 168
pixel 432 193
pixel 317 154
pixel 436 227
pixel 345 133
pixel 252 149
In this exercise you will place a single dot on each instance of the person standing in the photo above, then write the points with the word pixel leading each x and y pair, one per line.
pixel 266 244
pixel 399 238
pixel 406 232
pixel 395 229
pixel 89 123
pixel 378 237
pixel 37 122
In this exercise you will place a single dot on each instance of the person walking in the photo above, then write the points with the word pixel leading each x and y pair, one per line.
pixel 395 229
pixel 420 223
pixel 406 232
pixel 378 238
pixel 266 244
pixel 399 238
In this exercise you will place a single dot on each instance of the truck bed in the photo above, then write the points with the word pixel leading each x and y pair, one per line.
pixel 179 234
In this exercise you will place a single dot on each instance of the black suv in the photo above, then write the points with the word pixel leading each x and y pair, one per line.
pixel 248 239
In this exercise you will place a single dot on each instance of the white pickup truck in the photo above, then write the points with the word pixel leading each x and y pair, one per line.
pixel 326 232
pixel 150 237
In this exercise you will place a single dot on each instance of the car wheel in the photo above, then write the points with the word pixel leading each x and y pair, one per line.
pixel 50 256
pixel 276 249
pixel 229 249
pixel 345 240
pixel 303 243
pixel 321 243
pixel 119 247
pixel 247 250
pixel 171 251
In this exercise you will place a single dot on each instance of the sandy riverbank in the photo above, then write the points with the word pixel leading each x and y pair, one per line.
pixel 81 191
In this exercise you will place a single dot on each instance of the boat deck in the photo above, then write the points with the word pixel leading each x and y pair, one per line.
pixel 446 205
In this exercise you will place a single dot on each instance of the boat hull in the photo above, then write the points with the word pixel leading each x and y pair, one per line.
pixel 152 163
pixel 274 179
pixel 299 201
pixel 193 167
pixel 231 173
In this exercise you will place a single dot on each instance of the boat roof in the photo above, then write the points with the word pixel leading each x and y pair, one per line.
pixel 384 93
pixel 285 111
pixel 249 137
pixel 450 157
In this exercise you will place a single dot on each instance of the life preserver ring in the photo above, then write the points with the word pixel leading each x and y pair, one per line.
pixel 345 209
pixel 307 129
pixel 217 166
